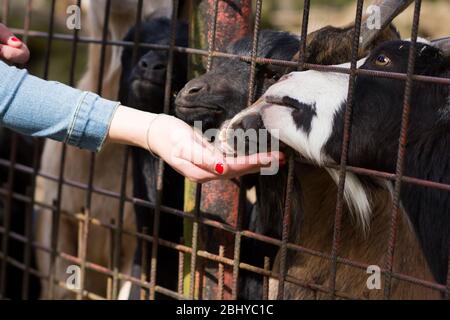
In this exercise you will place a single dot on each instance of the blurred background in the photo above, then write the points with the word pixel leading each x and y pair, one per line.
pixel 277 14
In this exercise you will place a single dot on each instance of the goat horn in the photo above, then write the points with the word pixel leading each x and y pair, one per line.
pixel 389 9
pixel 443 44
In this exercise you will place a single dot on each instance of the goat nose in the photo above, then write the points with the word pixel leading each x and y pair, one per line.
pixel 194 88
pixel 145 66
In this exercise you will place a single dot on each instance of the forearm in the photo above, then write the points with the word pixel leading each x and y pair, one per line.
pixel 39 108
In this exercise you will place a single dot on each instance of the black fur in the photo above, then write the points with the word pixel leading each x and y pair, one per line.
pixel 142 87
pixel 375 131
pixel 303 113
pixel 222 93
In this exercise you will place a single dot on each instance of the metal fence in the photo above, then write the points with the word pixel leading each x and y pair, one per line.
pixel 227 261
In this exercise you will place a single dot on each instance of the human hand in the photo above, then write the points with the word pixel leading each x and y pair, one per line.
pixel 182 148
pixel 12 50
pixel 195 158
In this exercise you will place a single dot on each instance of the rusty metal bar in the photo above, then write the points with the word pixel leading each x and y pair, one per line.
pixel 29 209
pixel 57 202
pixel 220 274
pixel 242 193
pixel 195 51
pixel 180 270
pixel 345 146
pixel 195 240
pixel 5 11
pixel 400 166
pixel 228 261
pixel 254 54
pixel 223 262
pixel 304 34
pixel 222 198
pixel 266 279
pixel 286 228
pixel 7 216
pixel 160 176
pixel 117 243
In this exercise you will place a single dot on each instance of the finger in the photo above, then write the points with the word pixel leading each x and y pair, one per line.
pixel 253 163
pixel 7 37
pixel 14 55
pixel 202 155
pixel 194 173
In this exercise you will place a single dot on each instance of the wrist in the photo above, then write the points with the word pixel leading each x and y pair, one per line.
pixel 130 126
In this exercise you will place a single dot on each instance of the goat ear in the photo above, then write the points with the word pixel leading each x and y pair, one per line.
pixel 443 44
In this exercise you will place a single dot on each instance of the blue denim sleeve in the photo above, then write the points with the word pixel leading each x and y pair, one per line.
pixel 39 108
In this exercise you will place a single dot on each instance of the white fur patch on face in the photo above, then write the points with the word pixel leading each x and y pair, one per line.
pixel 327 92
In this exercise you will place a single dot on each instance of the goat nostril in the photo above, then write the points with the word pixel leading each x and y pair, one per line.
pixel 159 66
pixel 195 89
pixel 143 64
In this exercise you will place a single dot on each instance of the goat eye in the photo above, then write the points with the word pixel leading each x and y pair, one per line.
pixel 382 60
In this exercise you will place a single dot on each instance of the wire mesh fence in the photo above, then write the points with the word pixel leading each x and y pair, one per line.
pixel 203 272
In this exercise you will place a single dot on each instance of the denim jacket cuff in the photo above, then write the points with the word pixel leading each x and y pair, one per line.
pixel 90 124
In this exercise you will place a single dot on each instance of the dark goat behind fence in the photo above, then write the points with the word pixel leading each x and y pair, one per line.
pixel 142 86
pixel 314 229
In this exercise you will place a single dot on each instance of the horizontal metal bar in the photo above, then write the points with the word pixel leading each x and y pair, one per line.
pixel 317 67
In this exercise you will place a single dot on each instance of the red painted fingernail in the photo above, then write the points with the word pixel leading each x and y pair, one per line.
pixel 219 168
pixel 15 39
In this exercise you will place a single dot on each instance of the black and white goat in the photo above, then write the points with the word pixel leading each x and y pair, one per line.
pixel 306 110
pixel 213 98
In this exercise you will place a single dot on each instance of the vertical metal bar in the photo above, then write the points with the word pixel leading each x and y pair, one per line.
pixel 160 178
pixel 304 34
pixel 212 36
pixel 109 287
pixel 119 229
pixel 7 216
pixel 254 54
pixel 399 170
pixel 220 275
pixel 180 270
pixel 27 20
pixel 5 13
pixel 290 179
pixel 89 191
pixel 53 244
pixel 199 276
pixel 51 30
pixel 286 228
pixel 57 202
pixel 447 289
pixel 266 279
pixel 344 151
pixel 29 210
pixel 144 258
pixel 220 198
pixel 195 235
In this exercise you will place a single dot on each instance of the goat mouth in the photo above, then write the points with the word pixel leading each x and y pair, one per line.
pixel 149 82
pixel 284 101
pixel 197 108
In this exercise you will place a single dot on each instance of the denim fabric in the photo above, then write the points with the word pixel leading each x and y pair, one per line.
pixel 39 108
